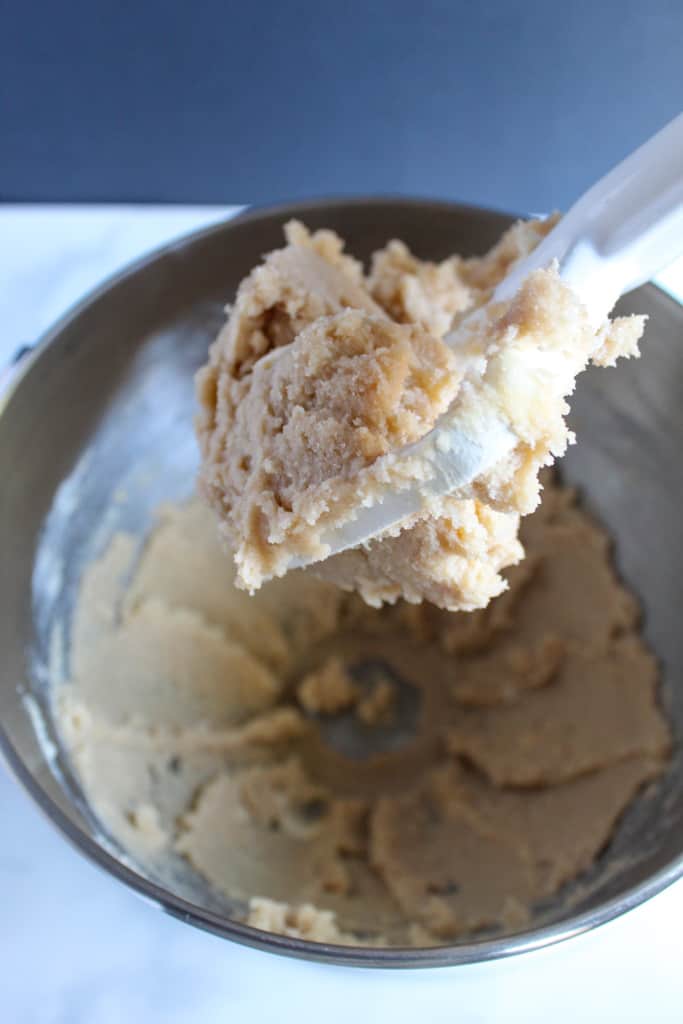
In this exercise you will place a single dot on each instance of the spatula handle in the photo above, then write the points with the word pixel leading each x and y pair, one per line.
pixel 621 231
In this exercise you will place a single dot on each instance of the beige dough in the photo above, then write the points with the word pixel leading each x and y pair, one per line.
pixel 459 855
pixel 303 922
pixel 200 723
pixel 320 377
pixel 328 690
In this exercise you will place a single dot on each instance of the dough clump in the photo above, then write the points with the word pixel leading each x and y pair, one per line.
pixel 322 375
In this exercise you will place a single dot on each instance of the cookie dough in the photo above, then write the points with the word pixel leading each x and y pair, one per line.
pixel 220 741
pixel 321 377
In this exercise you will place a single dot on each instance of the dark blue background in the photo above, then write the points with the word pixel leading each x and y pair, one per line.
pixel 514 104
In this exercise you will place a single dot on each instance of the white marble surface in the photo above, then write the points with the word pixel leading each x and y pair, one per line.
pixel 78 948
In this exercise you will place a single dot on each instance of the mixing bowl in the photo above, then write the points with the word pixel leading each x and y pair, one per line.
pixel 83 425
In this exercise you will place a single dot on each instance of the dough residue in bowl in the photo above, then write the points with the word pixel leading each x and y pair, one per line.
pixel 348 774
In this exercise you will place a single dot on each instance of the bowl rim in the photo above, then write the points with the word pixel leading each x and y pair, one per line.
pixel 448 955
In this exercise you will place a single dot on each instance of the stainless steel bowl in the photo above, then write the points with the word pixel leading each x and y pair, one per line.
pixel 81 424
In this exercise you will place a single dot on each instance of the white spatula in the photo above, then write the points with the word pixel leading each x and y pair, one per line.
pixel 614 238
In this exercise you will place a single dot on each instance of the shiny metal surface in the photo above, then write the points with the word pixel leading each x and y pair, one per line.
pixel 86 447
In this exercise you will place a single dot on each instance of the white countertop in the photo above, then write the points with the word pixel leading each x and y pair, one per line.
pixel 76 947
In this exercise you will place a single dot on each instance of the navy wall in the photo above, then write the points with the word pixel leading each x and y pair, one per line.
pixel 515 104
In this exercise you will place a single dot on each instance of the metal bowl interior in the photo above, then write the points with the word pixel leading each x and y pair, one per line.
pixel 82 424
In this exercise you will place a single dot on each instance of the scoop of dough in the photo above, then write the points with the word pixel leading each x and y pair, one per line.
pixel 313 391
